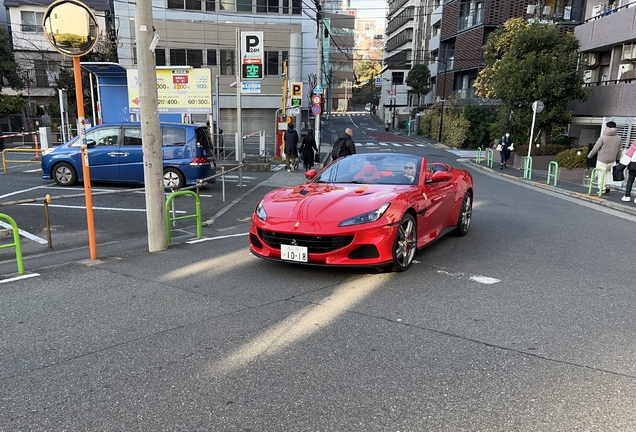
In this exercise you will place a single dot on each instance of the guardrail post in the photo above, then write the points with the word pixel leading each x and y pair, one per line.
pixel 490 157
pixel 555 174
pixel 527 167
pixel 600 181
pixel 197 215
pixel 16 242
pixel 478 160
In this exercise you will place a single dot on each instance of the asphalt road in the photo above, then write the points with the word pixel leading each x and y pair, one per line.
pixel 526 323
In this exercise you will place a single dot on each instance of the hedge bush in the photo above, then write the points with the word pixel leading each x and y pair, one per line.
pixel 570 159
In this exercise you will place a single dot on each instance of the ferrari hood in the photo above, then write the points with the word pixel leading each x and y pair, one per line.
pixel 327 202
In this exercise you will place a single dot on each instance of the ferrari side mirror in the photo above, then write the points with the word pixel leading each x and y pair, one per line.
pixel 311 173
pixel 441 176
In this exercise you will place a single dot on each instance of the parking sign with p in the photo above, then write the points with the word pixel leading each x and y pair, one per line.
pixel 297 90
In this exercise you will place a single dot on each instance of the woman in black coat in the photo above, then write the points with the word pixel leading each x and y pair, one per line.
pixel 504 153
pixel 307 149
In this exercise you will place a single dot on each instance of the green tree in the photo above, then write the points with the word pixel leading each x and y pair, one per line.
pixel 528 62
pixel 9 73
pixel 419 80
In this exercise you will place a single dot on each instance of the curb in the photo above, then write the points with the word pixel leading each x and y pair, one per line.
pixel 584 197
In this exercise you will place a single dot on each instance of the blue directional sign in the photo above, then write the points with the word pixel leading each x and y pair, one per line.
pixel 378 81
pixel 318 89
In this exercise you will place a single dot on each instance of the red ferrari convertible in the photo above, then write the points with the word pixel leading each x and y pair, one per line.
pixel 372 209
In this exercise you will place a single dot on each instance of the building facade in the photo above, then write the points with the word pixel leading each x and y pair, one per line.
pixel 607 40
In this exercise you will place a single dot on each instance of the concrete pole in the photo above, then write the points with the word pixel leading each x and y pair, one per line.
pixel 150 129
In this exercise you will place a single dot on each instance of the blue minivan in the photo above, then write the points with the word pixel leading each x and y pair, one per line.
pixel 115 155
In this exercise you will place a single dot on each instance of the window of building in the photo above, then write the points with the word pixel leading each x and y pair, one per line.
pixel 227 5
pixel 284 55
pixel 272 6
pixel 397 78
pixel 194 58
pixel 271 65
pixel 285 7
pixel 261 6
pixel 43 73
pixel 210 6
pixel 296 7
pixel 32 21
pixel 228 62
pixel 160 56
pixel 177 57
pixel 185 4
pixel 244 6
pixel 211 57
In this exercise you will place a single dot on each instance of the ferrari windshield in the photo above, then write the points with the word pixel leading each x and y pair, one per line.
pixel 377 168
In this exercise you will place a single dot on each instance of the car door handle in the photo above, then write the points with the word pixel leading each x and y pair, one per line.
pixel 124 154
pixel 113 154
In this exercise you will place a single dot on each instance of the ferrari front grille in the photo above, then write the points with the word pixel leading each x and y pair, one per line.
pixel 314 244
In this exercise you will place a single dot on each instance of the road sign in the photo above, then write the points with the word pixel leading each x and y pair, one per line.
pixel 378 82
pixel 250 87
pixel 252 55
pixel 318 89
pixel 296 102
pixel 537 106
pixel 315 109
pixel 316 99
pixel 296 90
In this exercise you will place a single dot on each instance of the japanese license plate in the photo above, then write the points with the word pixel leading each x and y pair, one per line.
pixel 293 253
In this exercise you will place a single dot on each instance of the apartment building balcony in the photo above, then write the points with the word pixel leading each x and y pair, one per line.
pixel 436 16
pixel 433 43
pixel 600 31
pixel 615 98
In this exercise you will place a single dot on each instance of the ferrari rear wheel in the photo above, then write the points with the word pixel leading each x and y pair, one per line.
pixel 405 244
pixel 465 214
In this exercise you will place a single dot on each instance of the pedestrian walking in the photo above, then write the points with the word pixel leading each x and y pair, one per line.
pixel 344 146
pixel 505 146
pixel 608 148
pixel 629 159
pixel 307 149
pixel 291 149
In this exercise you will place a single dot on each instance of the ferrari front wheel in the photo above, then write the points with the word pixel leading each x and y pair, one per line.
pixel 465 214
pixel 405 244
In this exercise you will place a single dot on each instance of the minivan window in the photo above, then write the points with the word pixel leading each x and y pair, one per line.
pixel 105 136
pixel 203 137
pixel 132 136
pixel 173 136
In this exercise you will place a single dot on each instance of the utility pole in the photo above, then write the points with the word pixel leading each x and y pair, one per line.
pixel 150 129
pixel 239 124
pixel 321 35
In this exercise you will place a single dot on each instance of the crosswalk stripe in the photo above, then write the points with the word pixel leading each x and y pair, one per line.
pixel 397 145
pixel 408 145
pixel 383 144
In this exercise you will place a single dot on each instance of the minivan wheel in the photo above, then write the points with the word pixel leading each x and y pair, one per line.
pixel 173 179
pixel 64 174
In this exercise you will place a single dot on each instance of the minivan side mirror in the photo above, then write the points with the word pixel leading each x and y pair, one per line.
pixel 90 143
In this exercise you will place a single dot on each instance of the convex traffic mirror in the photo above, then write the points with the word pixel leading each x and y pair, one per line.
pixel 70 27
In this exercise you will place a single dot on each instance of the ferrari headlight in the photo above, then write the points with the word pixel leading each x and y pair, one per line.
pixel 371 216
pixel 260 212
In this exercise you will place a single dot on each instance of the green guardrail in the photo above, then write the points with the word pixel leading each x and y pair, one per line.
pixel 600 181
pixel 479 155
pixel 16 242
pixel 197 215
pixel 553 172
pixel 527 167
pixel 490 157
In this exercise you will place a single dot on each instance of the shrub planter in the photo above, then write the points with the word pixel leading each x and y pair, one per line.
pixel 538 162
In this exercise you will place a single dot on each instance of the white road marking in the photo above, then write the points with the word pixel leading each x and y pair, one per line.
pixel 354 123
pixel 408 145
pixel 397 145
pixel 215 238
pixel 26 276
pixel 484 279
pixel 25 234
pixel 22 191
pixel 383 144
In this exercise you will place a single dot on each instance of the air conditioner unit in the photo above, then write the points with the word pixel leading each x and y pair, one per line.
pixel 587 76
pixel 530 10
pixel 598 9
pixel 624 68
pixel 589 59
pixel 628 51
pixel 546 10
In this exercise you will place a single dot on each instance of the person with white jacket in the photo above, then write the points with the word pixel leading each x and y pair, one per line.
pixel 608 148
